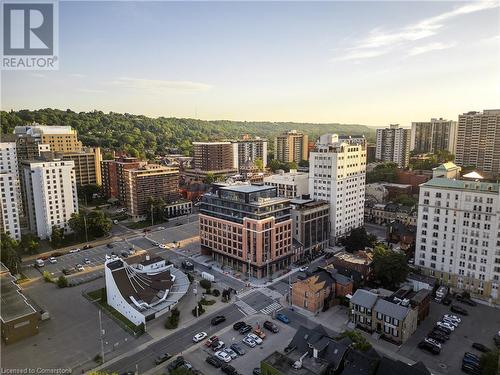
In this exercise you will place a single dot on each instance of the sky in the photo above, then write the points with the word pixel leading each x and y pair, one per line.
pixel 370 63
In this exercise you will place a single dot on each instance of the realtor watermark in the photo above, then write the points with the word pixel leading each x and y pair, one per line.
pixel 30 38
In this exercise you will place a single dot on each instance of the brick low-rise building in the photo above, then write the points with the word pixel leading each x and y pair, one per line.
pixel 248 228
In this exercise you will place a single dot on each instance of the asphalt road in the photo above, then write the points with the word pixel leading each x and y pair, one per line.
pixel 173 344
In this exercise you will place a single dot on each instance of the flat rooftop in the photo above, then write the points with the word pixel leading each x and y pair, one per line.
pixel 247 188
pixel 14 303
pixel 485 187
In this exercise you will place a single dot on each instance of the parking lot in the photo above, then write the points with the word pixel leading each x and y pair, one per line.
pixel 251 359
pixel 95 256
pixel 479 326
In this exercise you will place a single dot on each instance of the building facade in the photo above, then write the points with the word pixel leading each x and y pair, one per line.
pixel 87 165
pixel 393 145
pixel 458 235
pixel 291 146
pixel 311 224
pixel 434 135
pixel 213 156
pixel 150 181
pixel 248 151
pixel 51 195
pixel 337 170
pixel 290 185
pixel 10 190
pixel 112 173
pixel 248 228
pixel 478 140
pixel 60 138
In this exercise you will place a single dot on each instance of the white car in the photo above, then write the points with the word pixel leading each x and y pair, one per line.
pixel 52 260
pixel 249 342
pixel 74 250
pixel 433 342
pixel 452 317
pixel 446 325
pixel 255 338
pixel 86 261
pixel 303 269
pixel 223 356
pixel 231 352
pixel 450 321
pixel 79 268
pixel 199 336
pixel 163 246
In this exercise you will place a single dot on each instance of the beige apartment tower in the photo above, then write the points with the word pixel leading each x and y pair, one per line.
pixel 291 146
pixel 434 135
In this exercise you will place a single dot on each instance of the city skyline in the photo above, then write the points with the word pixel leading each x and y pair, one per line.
pixel 357 63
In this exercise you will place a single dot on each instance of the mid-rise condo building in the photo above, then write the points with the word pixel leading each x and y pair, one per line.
pixel 393 145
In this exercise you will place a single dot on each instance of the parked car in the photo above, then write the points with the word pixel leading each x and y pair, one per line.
pixel 255 338
pixel 481 347
pixel 218 319
pixel 238 349
pixel 429 347
pixel 228 369
pixel 124 254
pixel 52 260
pixel 249 342
pixel 214 361
pixel 231 352
pixel 176 363
pixel 452 317
pixel 465 300
pixel 443 330
pixel 187 265
pixel 79 268
pixel 245 329
pixel 303 269
pixel 282 318
pixel 471 356
pixel 450 321
pixel 211 340
pixel 438 335
pixel 271 326
pixel 446 325
pixel 218 345
pixel 471 362
pixel 199 336
pixel 259 333
pixel 109 246
pixel 257 371
pixel 85 247
pixel 238 325
pixel 162 358
pixel 433 342
pixel 447 300
pixel 86 261
pixel 458 310
pixel 74 251
pixel 223 356
pixel 469 369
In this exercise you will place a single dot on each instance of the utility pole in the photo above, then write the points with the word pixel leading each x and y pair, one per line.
pixel 101 334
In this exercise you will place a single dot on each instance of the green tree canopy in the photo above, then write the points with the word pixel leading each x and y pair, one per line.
pixel 358 239
pixel 9 253
pixel 57 236
pixel 98 224
pixel 390 267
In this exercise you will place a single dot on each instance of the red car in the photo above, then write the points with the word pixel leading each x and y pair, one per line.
pixel 211 340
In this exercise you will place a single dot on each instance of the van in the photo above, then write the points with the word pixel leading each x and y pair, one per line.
pixel 39 263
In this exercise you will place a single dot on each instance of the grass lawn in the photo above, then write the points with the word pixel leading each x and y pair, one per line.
pixel 144 224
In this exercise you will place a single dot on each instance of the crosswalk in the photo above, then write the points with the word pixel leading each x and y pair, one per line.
pixel 245 308
pixel 247 292
pixel 271 308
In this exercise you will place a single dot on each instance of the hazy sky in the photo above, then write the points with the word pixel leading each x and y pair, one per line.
pixel 352 62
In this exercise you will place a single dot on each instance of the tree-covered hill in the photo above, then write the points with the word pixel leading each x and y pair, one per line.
pixel 150 136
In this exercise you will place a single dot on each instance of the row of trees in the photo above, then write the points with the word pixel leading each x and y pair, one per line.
pixel 145 137
pixel 385 172
pixel 432 160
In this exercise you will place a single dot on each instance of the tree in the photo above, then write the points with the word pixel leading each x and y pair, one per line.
pixel 405 200
pixel 390 267
pixel 87 191
pixel 62 281
pixel 155 208
pixel 209 178
pixel 383 172
pixel 274 165
pixel 259 164
pixel 304 163
pixel 9 253
pixel 205 284
pixel 359 342
pixel 29 244
pixel 358 239
pixel 292 165
pixel 98 224
pixel 57 236
pixel 181 371
pixel 490 363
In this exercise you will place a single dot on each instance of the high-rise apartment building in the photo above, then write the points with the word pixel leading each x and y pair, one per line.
pixel 291 146
pixel 112 173
pixel 60 138
pixel 87 165
pixel 433 136
pixel 458 238
pixel 478 140
pixel 393 145
pixel 290 185
pixel 248 150
pixel 146 182
pixel 337 170
pixel 213 156
pixel 51 194
pixel 10 190
pixel 248 228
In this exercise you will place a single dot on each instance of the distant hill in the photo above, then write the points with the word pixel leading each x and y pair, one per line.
pixel 148 136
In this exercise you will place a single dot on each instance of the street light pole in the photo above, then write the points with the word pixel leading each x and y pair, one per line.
pixel 101 332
